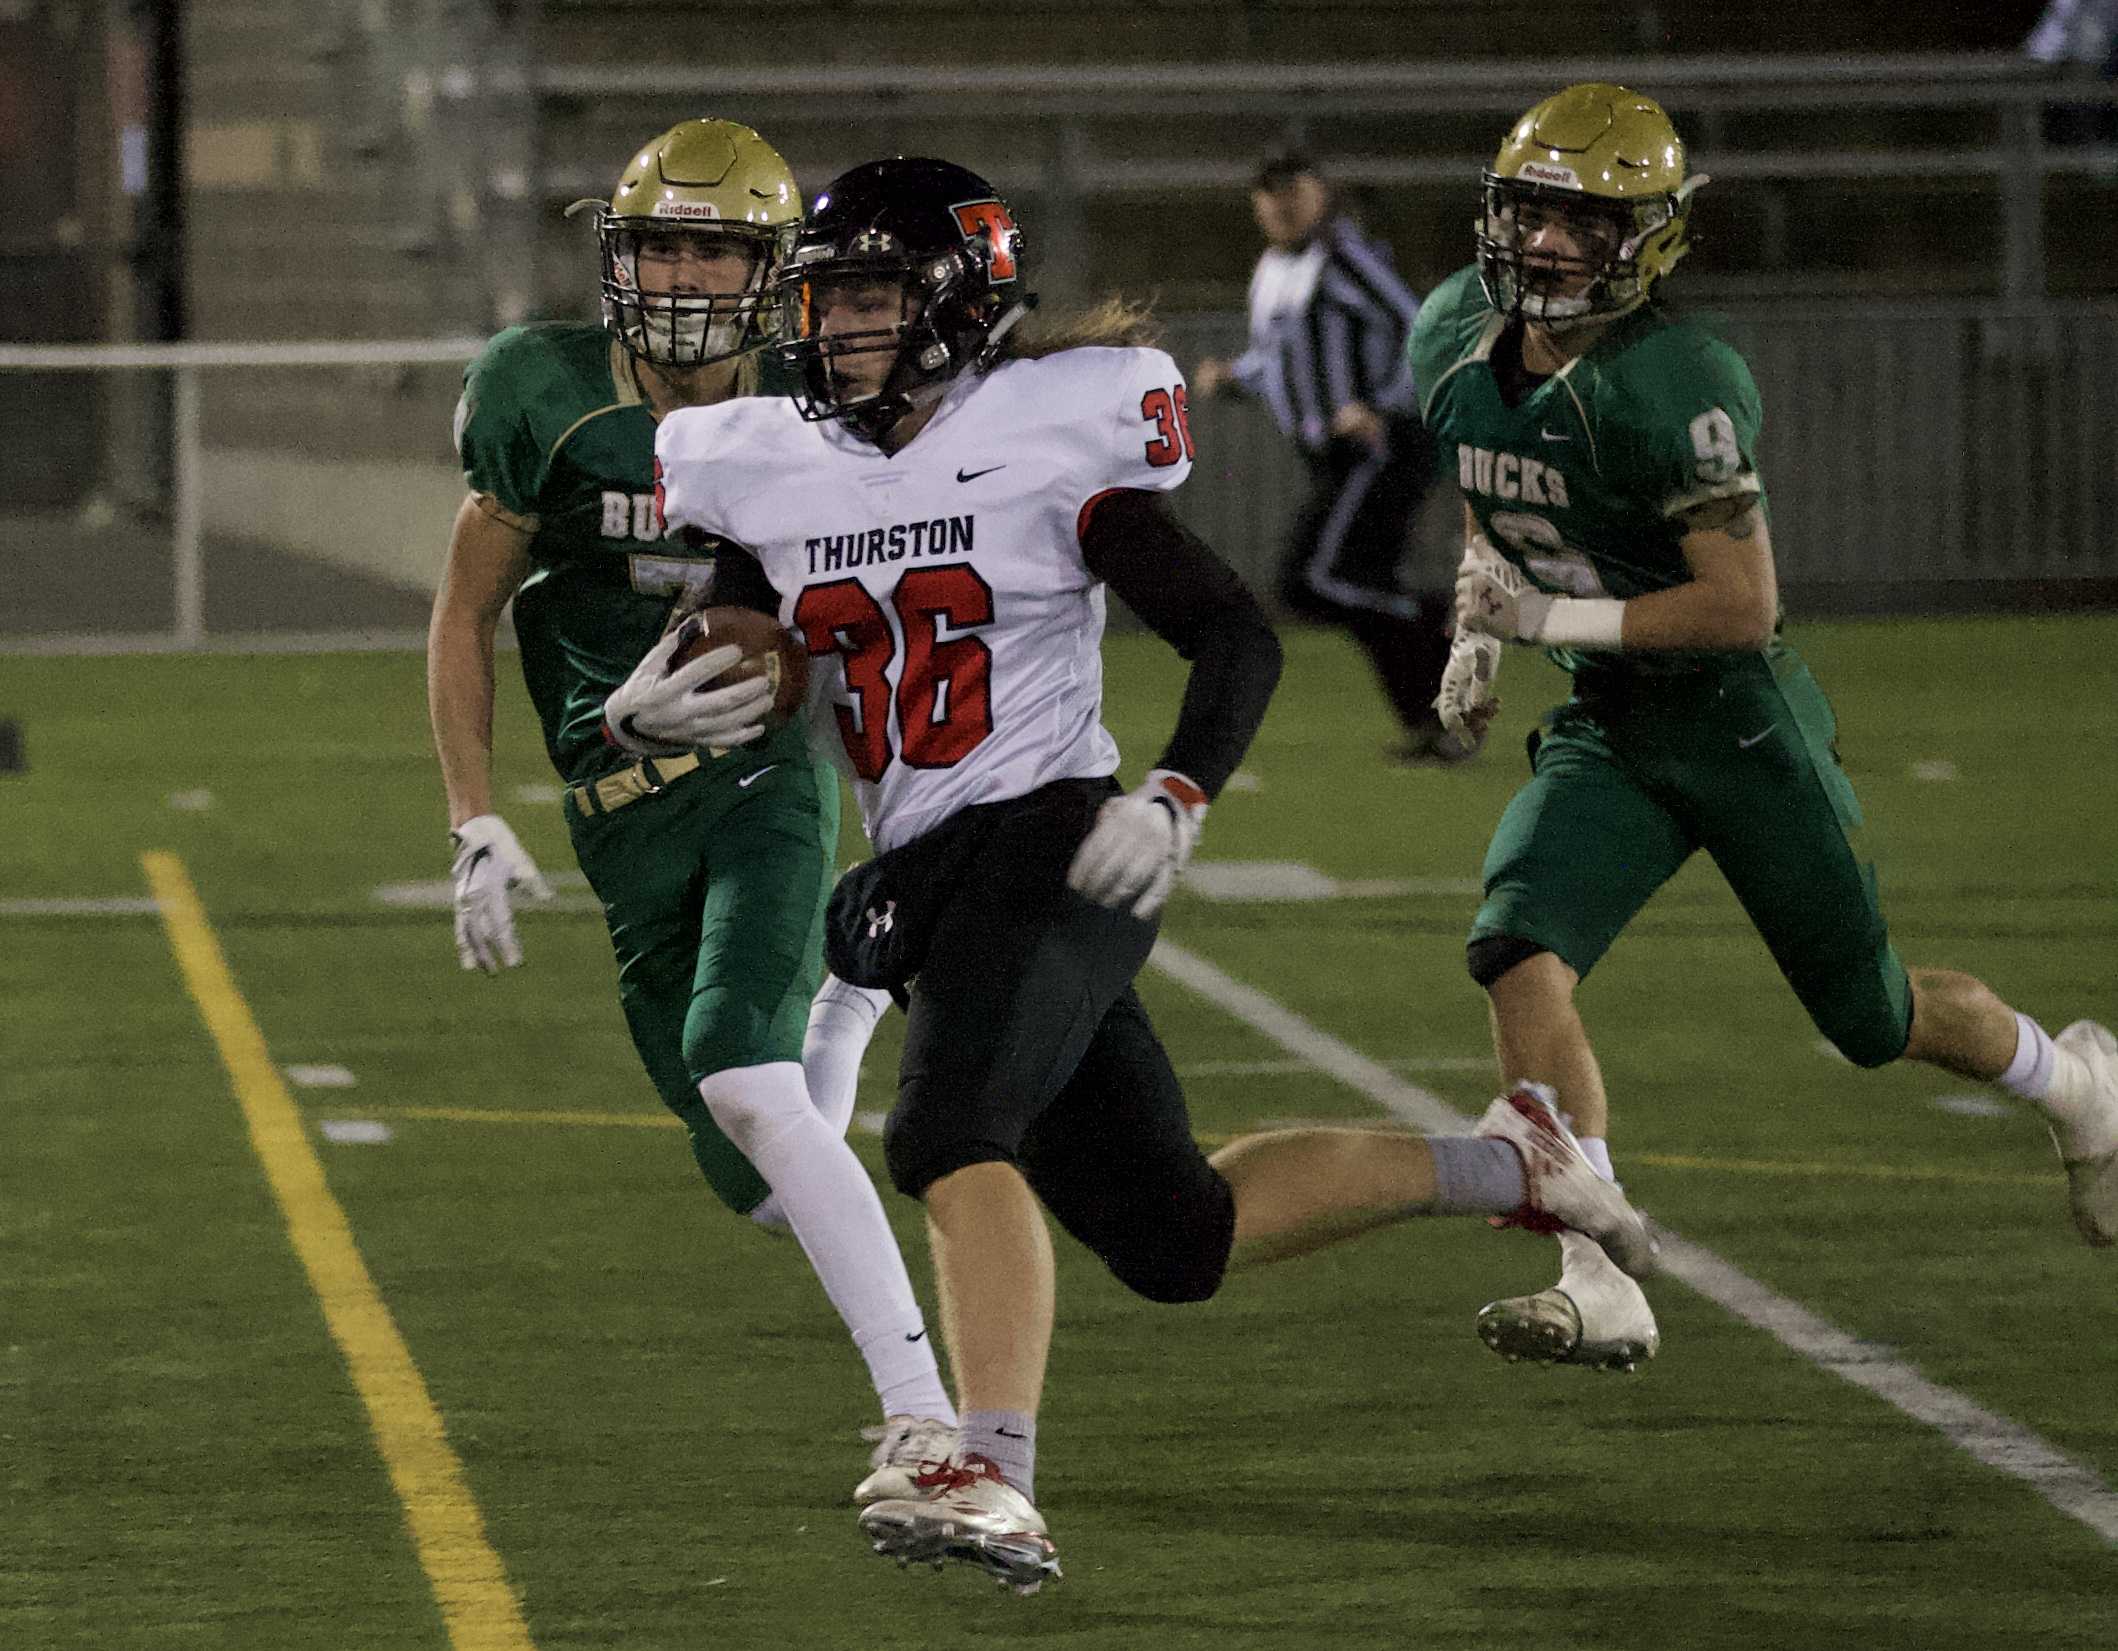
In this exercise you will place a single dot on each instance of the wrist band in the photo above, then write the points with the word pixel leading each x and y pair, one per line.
pixel 1583 622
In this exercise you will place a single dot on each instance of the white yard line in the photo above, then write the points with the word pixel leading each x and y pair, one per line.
pixel 83 645
pixel 2008 1447
pixel 124 905
pixel 1287 1068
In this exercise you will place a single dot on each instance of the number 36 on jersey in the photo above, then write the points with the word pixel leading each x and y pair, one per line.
pixel 947 578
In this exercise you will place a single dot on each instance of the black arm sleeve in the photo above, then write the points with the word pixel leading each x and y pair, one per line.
pixel 1192 600
pixel 738 576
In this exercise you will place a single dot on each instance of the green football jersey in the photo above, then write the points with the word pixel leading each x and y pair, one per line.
pixel 553 426
pixel 1581 483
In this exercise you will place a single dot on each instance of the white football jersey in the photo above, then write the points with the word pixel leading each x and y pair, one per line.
pixel 955 630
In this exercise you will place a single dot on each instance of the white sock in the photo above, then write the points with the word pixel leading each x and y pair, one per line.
pixel 1598 1152
pixel 1470 1178
pixel 1007 1439
pixel 2029 1074
pixel 841 1021
pixel 832 1206
pixel 2062 1086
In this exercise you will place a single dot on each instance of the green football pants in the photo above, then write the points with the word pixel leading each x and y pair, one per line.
pixel 1628 782
pixel 714 892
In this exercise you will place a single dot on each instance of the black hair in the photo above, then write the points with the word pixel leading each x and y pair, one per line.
pixel 1276 172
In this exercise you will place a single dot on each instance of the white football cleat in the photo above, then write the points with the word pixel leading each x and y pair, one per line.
pixel 965 1511
pixel 1563 1187
pixel 2088 1150
pixel 905 1445
pixel 1593 1316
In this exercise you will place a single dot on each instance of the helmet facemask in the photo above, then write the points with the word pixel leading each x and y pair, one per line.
pixel 1596 259
pixel 666 324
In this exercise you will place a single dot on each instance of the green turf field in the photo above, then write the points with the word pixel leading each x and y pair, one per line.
pixel 655 1411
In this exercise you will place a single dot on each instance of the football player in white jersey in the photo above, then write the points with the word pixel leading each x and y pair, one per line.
pixel 940 508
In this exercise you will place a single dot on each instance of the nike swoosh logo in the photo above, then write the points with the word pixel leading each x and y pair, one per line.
pixel 973 475
pixel 1005 1434
pixel 760 774
pixel 1555 435
pixel 922 1336
pixel 1745 745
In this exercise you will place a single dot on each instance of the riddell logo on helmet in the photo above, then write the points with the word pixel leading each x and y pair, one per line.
pixel 686 209
pixel 1540 172
pixel 993 223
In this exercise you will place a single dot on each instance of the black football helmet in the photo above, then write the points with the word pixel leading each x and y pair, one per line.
pixel 949 245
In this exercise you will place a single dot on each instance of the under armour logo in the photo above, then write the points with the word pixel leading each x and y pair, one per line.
pixel 882 922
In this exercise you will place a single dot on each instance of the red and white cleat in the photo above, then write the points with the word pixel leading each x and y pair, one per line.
pixel 1564 1188
pixel 905 1447
pixel 1593 1316
pixel 966 1512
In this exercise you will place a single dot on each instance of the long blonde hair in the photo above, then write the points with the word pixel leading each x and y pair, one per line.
pixel 1117 322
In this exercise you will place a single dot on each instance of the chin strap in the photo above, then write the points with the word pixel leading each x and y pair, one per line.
pixel 873 419
pixel 1010 319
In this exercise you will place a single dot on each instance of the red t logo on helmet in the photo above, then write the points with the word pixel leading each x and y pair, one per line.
pixel 996 224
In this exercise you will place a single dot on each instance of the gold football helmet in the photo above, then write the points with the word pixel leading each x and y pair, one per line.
pixel 713 187
pixel 1585 207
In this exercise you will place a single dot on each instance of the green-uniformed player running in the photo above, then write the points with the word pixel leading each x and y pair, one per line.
pixel 1614 514
pixel 710 843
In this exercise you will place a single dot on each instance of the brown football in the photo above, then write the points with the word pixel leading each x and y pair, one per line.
pixel 769 649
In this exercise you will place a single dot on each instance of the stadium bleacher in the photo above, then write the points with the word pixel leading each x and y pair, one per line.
pixel 356 168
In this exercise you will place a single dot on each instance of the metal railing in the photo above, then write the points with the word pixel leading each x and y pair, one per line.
pixel 1059 113
pixel 1914 455
pixel 188 461
pixel 1909 452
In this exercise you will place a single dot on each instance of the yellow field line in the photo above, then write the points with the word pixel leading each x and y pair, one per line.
pixel 1863 1172
pixel 1783 1166
pixel 470 1583
pixel 493 1115
pixel 1657 1160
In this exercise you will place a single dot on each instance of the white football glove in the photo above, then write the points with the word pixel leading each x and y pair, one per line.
pixel 489 863
pixel 1139 843
pixel 1466 703
pixel 1494 599
pixel 657 712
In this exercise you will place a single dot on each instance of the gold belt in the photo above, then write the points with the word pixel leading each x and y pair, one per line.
pixel 629 785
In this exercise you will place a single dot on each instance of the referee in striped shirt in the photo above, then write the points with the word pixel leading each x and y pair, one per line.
pixel 1329 318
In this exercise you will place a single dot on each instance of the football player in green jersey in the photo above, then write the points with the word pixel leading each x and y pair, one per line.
pixel 710 841
pixel 1614 515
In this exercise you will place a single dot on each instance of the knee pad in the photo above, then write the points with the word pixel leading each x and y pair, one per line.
pixel 1865 1012
pixel 754 1105
pixel 1185 1257
pixel 1870 1043
pixel 1493 955
pixel 733 1178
